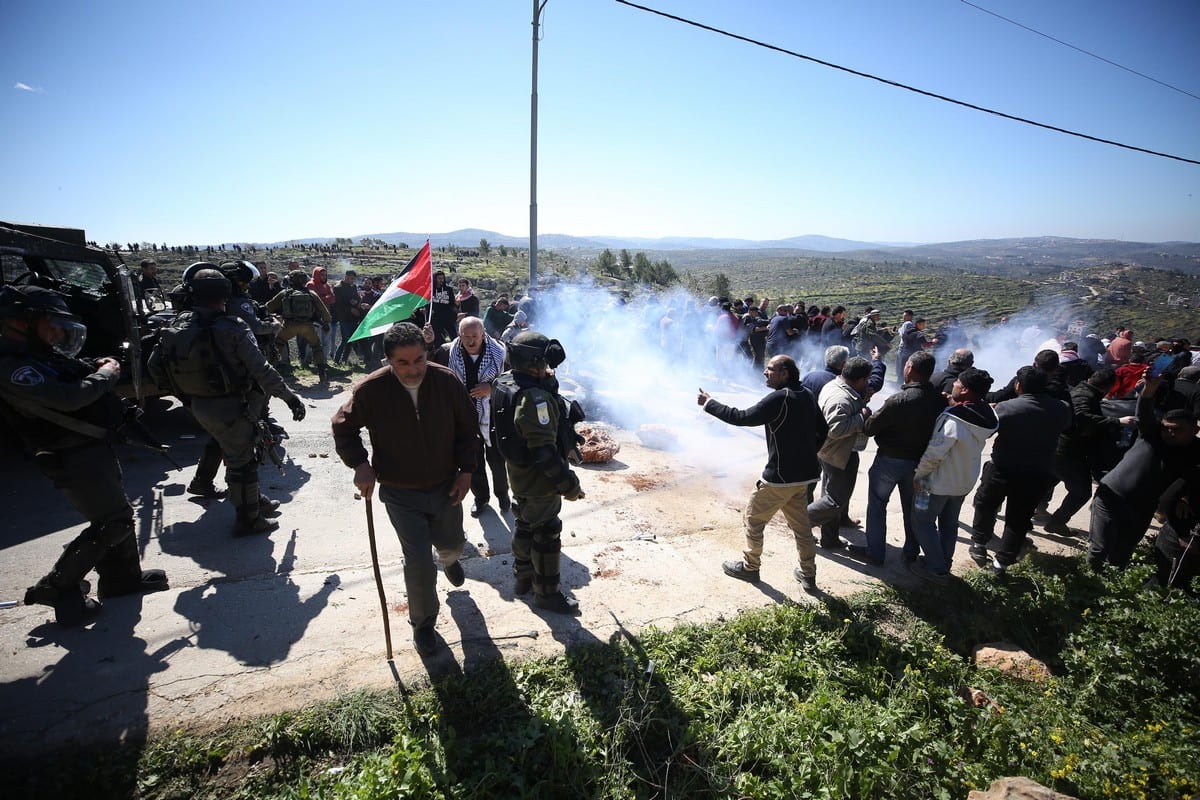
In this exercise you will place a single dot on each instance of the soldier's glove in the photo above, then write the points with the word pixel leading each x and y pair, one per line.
pixel 570 488
pixel 325 327
pixel 298 409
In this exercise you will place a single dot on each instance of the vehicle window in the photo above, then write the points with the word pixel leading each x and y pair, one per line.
pixel 12 266
pixel 85 274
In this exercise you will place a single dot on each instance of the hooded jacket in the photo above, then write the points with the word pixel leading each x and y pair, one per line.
pixel 320 285
pixel 952 457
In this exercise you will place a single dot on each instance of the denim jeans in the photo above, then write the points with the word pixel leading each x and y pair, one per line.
pixel 937 531
pixel 886 474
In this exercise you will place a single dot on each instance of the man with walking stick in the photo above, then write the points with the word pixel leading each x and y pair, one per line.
pixel 424 440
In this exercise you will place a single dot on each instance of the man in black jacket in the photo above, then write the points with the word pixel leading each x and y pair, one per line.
pixel 902 429
pixel 959 360
pixel 1167 451
pixel 1021 469
pixel 795 431
pixel 1080 453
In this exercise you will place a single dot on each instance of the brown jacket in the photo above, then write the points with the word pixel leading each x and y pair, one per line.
pixel 407 452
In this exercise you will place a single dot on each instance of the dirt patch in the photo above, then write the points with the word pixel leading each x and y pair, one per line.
pixel 641 483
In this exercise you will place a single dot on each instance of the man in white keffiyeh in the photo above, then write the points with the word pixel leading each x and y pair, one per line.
pixel 478 359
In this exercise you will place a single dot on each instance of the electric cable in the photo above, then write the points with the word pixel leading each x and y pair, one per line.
pixel 905 86
pixel 1081 50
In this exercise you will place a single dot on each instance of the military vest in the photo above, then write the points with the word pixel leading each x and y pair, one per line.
pixel 297 305
pixel 503 429
pixel 193 360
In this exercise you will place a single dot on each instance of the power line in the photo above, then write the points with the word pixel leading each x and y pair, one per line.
pixel 905 86
pixel 1081 50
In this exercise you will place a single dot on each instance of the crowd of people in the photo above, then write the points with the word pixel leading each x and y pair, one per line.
pixel 462 399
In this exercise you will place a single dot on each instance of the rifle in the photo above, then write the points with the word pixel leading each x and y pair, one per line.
pixel 133 431
pixel 266 445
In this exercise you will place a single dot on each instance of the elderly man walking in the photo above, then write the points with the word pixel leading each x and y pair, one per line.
pixel 795 431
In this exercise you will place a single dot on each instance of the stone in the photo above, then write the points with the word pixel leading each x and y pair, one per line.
pixel 598 446
pixel 1012 660
pixel 1017 789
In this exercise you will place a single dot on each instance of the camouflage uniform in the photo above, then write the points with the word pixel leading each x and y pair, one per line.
pixel 223 380
pixel 295 323
pixel 539 483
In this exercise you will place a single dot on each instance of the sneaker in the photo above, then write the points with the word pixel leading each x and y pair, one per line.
pixel 737 569
pixel 917 567
pixel 807 582
pixel 522 585
pixel 998 569
pixel 206 490
pixel 859 553
pixel 253 527
pixel 151 580
pixel 454 573
pixel 425 640
pixel 979 554
pixel 477 508
pixel 557 603
pixel 1061 528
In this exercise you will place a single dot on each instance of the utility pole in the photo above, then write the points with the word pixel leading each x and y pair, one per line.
pixel 533 125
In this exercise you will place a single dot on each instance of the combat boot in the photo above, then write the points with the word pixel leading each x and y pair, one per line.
pixel 206 490
pixel 71 608
pixel 557 603
pixel 268 507
pixel 150 580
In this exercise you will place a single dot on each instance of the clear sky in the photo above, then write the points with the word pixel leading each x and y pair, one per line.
pixel 263 120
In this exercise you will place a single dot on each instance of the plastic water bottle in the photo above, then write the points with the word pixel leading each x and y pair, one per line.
pixel 1126 438
pixel 921 499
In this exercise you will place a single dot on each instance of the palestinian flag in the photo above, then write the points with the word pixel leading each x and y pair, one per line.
pixel 406 294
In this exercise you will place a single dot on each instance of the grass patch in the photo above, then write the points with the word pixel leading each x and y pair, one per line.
pixel 857 698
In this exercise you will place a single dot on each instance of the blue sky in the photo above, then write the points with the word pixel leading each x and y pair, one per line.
pixel 259 120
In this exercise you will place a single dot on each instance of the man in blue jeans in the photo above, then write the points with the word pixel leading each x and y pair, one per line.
pixel 902 429
pixel 949 468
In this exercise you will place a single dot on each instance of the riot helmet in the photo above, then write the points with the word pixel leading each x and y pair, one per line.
pixel 239 271
pixel 208 285
pixel 298 279
pixel 48 319
pixel 532 350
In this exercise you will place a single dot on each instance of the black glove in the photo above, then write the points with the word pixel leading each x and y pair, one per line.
pixel 298 410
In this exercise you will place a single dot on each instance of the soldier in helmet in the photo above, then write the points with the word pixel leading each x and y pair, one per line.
pixel 63 410
pixel 300 308
pixel 212 363
pixel 531 428
pixel 242 305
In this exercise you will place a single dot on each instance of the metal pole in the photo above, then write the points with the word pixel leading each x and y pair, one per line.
pixel 387 625
pixel 533 125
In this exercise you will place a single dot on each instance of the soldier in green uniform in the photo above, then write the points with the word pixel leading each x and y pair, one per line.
pixel 63 410
pixel 213 365
pixel 300 308
pixel 530 427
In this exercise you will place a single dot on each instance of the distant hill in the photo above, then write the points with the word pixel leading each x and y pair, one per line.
pixel 995 256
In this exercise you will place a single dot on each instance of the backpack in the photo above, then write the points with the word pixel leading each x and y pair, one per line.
pixel 297 305
pixel 193 361
pixel 503 430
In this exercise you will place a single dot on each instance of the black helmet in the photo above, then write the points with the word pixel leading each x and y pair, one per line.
pixel 298 279
pixel 208 284
pixel 239 271
pixel 190 272
pixel 34 301
pixel 531 350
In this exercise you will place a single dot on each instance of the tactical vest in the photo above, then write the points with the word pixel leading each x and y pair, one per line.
pixel 297 305
pixel 193 360
pixel 503 429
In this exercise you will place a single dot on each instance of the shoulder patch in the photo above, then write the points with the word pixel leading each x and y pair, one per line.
pixel 543 412
pixel 26 376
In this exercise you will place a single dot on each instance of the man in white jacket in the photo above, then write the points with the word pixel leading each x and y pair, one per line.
pixel 949 468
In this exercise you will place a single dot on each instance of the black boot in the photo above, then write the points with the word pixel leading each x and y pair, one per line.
pixel 71 607
pixel 321 374
pixel 247 525
pixel 151 580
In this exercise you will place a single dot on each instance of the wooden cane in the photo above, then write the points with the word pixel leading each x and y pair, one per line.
pixel 387 625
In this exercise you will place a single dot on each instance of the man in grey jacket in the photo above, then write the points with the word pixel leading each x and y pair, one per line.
pixel 843 404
